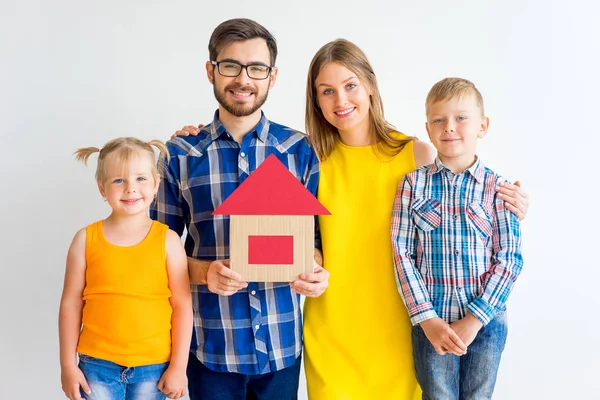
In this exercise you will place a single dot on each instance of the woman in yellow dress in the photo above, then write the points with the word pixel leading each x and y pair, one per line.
pixel 357 333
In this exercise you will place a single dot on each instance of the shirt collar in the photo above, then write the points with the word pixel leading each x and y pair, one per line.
pixel 476 170
pixel 261 129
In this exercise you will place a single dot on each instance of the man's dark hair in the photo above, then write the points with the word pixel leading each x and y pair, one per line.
pixel 238 29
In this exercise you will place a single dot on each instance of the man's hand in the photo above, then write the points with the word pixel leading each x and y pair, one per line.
pixel 188 130
pixel 312 285
pixel 221 280
pixel 515 198
pixel 442 337
pixel 467 328
pixel 72 378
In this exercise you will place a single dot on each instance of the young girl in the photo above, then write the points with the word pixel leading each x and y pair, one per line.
pixel 127 282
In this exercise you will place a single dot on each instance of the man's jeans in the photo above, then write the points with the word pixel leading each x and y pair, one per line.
pixel 205 384
pixel 469 377
pixel 110 381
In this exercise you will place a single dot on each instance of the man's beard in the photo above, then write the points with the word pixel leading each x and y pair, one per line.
pixel 239 109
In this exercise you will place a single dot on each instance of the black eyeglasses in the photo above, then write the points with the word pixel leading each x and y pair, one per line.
pixel 233 69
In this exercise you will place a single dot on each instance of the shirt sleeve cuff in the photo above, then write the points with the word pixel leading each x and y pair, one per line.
pixel 482 310
pixel 422 313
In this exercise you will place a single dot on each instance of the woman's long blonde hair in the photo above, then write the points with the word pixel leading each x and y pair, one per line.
pixel 121 151
pixel 321 133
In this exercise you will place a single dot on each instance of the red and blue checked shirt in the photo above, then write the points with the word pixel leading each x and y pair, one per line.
pixel 258 329
pixel 457 249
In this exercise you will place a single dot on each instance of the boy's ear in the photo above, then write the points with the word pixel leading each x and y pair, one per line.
pixel 428 133
pixel 485 123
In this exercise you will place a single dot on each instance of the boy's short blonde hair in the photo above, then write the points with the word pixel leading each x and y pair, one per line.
pixel 453 88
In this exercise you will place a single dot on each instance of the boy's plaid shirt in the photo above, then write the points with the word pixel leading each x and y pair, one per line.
pixel 457 249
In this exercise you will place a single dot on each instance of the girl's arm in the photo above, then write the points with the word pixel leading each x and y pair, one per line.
pixel 69 318
pixel 173 381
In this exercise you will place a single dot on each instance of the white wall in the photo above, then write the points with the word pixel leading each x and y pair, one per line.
pixel 78 73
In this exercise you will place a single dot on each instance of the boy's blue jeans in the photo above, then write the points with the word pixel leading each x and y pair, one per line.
pixel 469 377
pixel 110 381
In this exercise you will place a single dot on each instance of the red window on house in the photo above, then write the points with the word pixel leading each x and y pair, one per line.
pixel 270 250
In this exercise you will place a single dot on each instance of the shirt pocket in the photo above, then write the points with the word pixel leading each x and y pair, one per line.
pixel 427 214
pixel 480 220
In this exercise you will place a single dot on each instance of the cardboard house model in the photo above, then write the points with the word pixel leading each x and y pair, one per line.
pixel 271 225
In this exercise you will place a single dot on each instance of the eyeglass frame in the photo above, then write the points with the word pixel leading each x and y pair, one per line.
pixel 242 67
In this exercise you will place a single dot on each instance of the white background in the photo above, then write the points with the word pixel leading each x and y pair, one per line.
pixel 78 73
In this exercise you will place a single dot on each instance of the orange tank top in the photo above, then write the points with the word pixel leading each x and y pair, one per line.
pixel 127 313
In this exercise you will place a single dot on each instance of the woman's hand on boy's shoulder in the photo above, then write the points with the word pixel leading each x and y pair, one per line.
pixel 515 198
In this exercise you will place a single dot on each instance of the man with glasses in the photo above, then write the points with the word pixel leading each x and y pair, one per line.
pixel 247 338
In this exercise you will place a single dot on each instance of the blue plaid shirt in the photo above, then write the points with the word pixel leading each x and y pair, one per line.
pixel 258 329
pixel 456 247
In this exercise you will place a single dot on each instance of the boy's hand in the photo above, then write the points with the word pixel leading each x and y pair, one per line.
pixel 72 378
pixel 187 131
pixel 467 328
pixel 173 382
pixel 442 337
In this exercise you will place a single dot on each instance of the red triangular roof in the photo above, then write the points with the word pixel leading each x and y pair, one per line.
pixel 271 190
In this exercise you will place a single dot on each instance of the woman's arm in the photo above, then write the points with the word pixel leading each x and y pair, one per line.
pixel 424 153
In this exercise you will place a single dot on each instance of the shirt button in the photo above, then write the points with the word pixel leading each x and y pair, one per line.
pixel 459 289
pixel 256 327
pixel 243 154
pixel 455 217
pixel 253 292
pixel 456 252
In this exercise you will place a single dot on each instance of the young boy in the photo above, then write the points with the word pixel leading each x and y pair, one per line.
pixel 457 252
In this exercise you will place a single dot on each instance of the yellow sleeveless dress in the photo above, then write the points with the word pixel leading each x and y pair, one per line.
pixel 357 334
